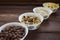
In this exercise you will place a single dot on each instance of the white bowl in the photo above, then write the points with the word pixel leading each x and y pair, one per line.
pixel 45 15
pixel 33 26
pixel 17 24
pixel 53 9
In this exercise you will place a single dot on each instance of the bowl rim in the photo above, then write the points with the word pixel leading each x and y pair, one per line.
pixel 17 23
pixel 33 14
pixel 47 9
pixel 43 8
pixel 50 2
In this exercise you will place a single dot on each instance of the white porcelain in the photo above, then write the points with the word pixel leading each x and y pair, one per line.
pixel 33 26
pixel 53 9
pixel 17 24
pixel 35 10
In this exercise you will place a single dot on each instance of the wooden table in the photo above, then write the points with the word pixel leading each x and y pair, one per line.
pixel 49 29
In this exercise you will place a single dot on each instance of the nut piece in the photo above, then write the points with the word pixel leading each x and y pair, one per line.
pixel 30 20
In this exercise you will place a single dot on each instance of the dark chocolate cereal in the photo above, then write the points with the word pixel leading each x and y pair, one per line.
pixel 12 33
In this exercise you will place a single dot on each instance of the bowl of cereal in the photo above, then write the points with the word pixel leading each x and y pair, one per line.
pixel 13 31
pixel 31 20
pixel 45 12
pixel 52 6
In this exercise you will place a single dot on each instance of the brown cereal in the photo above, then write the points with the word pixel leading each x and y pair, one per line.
pixel 12 33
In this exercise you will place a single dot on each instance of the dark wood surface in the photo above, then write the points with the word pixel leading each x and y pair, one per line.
pixel 49 29
pixel 27 1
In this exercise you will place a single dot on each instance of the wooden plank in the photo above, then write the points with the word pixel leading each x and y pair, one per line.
pixel 29 1
pixel 8 17
pixel 11 13
pixel 49 29
pixel 42 36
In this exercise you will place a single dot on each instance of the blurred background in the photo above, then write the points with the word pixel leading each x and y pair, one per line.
pixel 26 1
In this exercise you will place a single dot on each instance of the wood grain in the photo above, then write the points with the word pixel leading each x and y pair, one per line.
pixel 49 29
pixel 11 14
pixel 43 36
pixel 27 1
